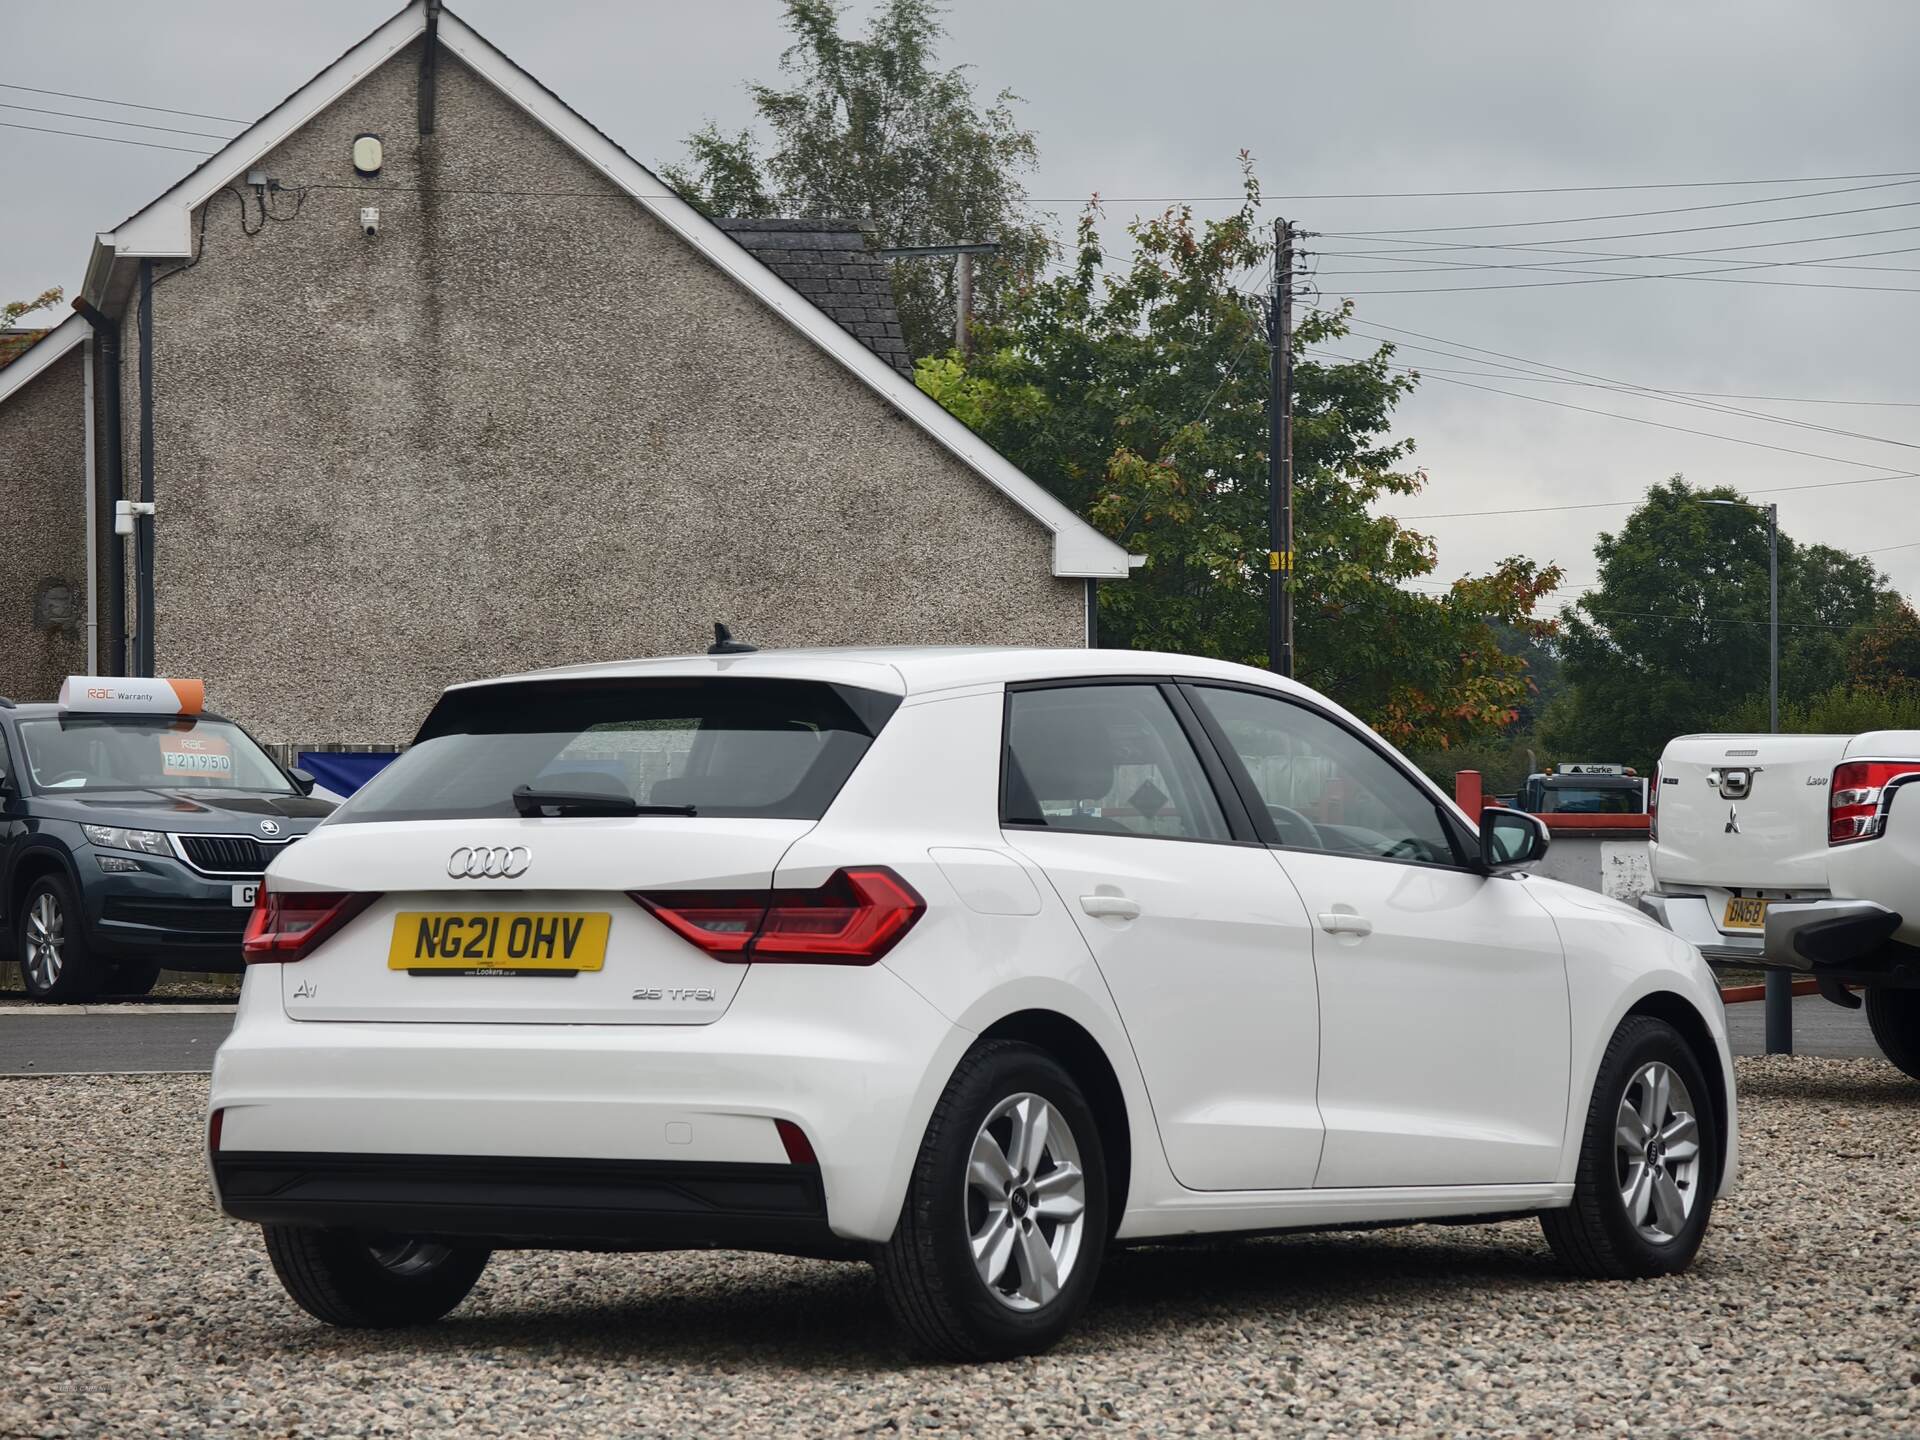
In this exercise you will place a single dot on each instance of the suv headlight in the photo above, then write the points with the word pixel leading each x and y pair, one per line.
pixel 114 837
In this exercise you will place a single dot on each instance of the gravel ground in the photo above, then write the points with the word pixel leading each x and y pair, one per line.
pixel 127 1307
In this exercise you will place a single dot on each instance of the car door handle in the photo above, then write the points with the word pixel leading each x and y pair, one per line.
pixel 1345 922
pixel 1110 907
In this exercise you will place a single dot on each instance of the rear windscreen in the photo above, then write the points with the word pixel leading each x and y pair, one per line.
pixel 768 749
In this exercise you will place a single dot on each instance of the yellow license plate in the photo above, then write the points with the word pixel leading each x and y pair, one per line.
pixel 498 942
pixel 1745 913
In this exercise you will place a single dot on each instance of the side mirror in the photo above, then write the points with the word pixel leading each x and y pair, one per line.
pixel 302 781
pixel 1511 838
pixel 7 785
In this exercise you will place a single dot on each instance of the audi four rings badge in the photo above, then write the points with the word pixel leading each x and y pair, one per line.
pixel 484 862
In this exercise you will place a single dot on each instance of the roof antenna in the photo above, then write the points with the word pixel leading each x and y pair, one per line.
pixel 725 644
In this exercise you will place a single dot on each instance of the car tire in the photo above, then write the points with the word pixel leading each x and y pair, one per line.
pixel 1013 1115
pixel 132 979
pixel 50 944
pixel 365 1282
pixel 1894 1018
pixel 1649 1161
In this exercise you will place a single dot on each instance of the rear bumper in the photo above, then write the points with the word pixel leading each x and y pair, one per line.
pixel 851 1055
pixel 1691 918
pixel 536 1203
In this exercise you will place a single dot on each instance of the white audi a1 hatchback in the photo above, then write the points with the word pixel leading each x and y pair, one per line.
pixel 973 963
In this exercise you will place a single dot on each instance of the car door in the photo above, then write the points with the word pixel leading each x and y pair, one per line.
pixel 1205 947
pixel 1444 1047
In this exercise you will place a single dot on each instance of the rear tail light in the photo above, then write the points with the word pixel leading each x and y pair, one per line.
pixel 853 919
pixel 288 925
pixel 1858 798
pixel 1653 807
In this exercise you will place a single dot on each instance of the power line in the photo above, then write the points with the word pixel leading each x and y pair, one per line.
pixel 1644 392
pixel 1594 385
pixel 1467 194
pixel 1432 265
pixel 1635 214
pixel 229 120
pixel 1425 249
pixel 1663 425
pixel 1502 359
pixel 1650 234
pixel 110 139
pixel 105 120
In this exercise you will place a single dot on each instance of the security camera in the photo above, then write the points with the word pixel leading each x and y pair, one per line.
pixel 370 219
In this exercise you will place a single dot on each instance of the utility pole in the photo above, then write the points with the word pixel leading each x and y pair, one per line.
pixel 963 305
pixel 1280 456
pixel 963 287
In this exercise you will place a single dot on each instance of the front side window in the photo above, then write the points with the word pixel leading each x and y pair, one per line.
pixel 114 752
pixel 1323 787
pixel 1105 760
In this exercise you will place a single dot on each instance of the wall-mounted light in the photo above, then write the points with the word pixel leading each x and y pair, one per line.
pixel 368 153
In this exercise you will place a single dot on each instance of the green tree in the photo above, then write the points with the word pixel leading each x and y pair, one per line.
pixel 871 129
pixel 1674 639
pixel 1137 394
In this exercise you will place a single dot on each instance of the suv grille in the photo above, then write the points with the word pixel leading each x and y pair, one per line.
pixel 230 854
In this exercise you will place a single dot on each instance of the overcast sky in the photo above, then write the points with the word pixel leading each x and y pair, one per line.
pixel 1143 98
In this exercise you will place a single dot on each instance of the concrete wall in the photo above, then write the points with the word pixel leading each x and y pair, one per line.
pixel 43 531
pixel 517 430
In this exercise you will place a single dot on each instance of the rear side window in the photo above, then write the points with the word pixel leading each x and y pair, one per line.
pixel 766 749
pixel 1105 760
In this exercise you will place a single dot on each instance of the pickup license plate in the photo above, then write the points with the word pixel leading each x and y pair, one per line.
pixel 1745 912
pixel 498 942
pixel 243 894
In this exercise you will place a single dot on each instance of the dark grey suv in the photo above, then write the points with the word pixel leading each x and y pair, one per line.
pixel 131 843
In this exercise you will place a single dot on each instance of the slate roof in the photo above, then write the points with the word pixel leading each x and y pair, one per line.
pixel 832 263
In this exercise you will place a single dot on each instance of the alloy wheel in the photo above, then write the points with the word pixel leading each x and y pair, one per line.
pixel 1026 1200
pixel 1656 1150
pixel 46 937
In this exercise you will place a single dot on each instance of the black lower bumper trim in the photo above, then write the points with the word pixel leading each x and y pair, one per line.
pixel 518 1202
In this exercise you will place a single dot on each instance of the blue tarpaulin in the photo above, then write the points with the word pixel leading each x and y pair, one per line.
pixel 341 774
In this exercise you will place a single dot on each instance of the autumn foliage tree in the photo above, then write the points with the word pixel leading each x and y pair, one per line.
pixel 1135 389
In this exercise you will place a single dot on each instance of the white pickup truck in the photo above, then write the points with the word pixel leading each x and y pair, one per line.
pixel 1798 851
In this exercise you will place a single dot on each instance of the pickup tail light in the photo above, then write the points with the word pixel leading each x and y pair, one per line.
pixel 856 917
pixel 1653 807
pixel 288 925
pixel 1857 800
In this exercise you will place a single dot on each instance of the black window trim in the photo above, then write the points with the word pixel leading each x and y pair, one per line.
pixel 1240 828
pixel 1465 844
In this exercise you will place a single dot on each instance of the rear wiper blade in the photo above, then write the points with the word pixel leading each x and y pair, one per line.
pixel 538 804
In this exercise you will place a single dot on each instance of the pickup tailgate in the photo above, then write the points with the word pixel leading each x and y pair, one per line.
pixel 1745 812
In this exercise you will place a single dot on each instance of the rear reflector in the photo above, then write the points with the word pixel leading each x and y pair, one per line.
pixel 853 919
pixel 213 1129
pixel 799 1148
pixel 1858 799
pixel 288 925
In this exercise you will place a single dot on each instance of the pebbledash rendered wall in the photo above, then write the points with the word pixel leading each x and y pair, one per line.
pixel 523 425
pixel 43 536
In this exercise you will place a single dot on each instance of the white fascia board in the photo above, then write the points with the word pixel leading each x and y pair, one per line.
pixel 164 229
pixel 35 359
pixel 1079 551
